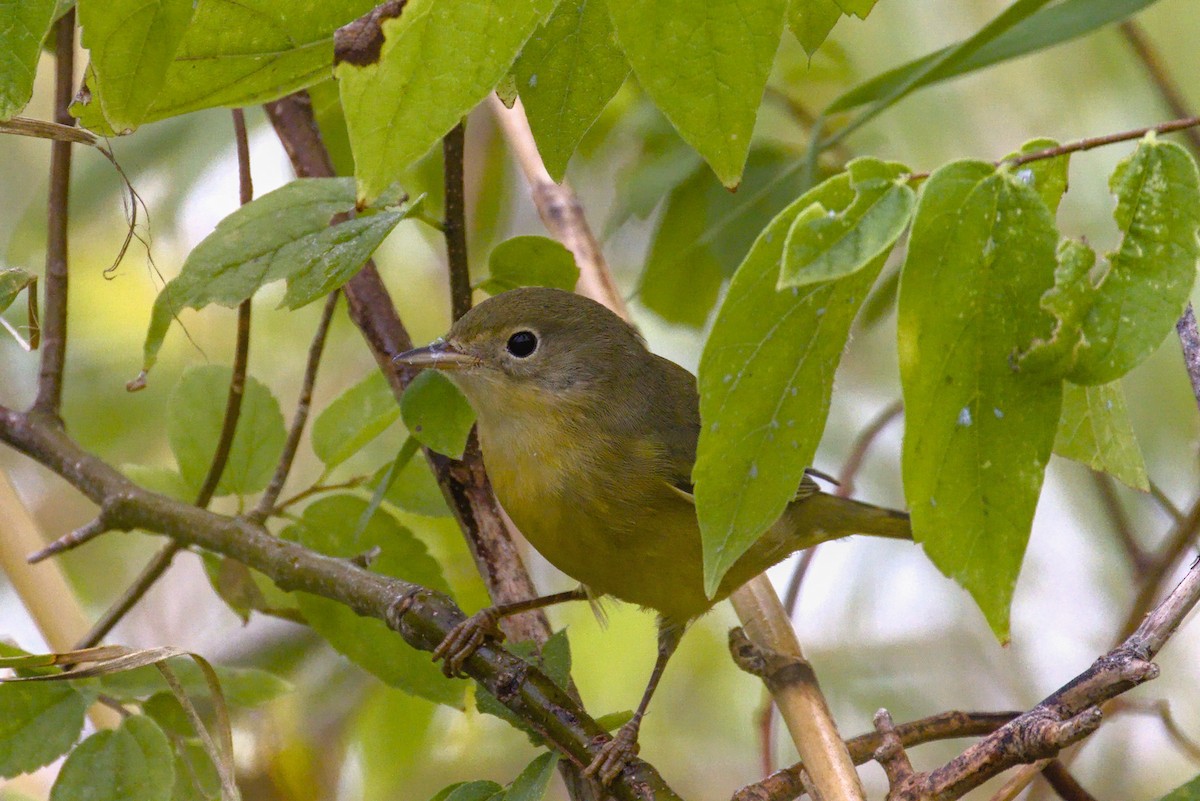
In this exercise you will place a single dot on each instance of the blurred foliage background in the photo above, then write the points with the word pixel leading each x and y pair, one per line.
pixel 880 624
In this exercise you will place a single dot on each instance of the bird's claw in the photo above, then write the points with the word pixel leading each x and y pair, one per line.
pixel 615 754
pixel 465 638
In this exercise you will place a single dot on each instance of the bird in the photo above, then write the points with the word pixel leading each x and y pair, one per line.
pixel 589 440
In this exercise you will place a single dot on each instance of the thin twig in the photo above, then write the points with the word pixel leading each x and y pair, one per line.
pixel 1162 564
pixel 1139 560
pixel 1167 88
pixel 454 226
pixel 54 320
pixel 1189 338
pixel 1167 505
pixel 1161 709
pixel 266 504
pixel 1089 143
pixel 159 563
pixel 317 489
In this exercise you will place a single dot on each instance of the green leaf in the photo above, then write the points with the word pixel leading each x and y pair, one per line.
pixel 329 526
pixel 12 281
pixel 163 480
pixel 530 261
pixel 132 44
pixel 244 54
pixel 532 782
pixel 1186 792
pixel 1068 301
pixel 1047 176
pixel 569 70
pixel 980 256
pixel 242 687
pixel 1094 429
pixel 195 415
pixel 833 244
pixel 810 21
pixel 353 419
pixel 39 722
pixel 705 231
pixel 1047 27
pixel 283 234
pixel 1151 273
pixel 469 791
pixel 437 414
pixel 191 760
pixel 705 65
pixel 765 380
pixel 438 59
pixel 130 763
pixel 23 26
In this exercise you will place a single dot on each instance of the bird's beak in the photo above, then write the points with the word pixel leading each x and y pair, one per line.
pixel 440 355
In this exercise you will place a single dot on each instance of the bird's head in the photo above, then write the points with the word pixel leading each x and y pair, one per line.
pixel 533 346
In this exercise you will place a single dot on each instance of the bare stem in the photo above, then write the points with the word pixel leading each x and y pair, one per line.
pixel 1167 88
pixel 54 321
pixel 266 504
pixel 454 227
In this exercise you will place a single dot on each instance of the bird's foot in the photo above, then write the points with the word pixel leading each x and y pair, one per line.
pixel 465 638
pixel 615 754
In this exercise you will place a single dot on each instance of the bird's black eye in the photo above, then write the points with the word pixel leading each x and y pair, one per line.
pixel 522 344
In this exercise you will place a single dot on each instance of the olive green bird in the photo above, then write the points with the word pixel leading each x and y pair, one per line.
pixel 589 440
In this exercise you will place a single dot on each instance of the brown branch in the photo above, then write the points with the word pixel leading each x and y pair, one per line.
pixel 454 226
pixel 468 492
pixel 54 320
pixel 891 754
pixel 1161 566
pixel 786 784
pixel 266 504
pixel 1189 338
pixel 161 561
pixel 422 617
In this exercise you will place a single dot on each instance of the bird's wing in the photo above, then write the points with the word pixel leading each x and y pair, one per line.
pixel 682 403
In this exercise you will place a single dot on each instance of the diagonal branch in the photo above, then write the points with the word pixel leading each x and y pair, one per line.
pixel 422 617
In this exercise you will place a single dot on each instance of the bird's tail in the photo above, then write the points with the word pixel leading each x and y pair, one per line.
pixel 820 517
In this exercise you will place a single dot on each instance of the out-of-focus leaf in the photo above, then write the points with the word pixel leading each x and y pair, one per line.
pixel 130 763
pixel 353 419
pixel 1047 27
pixel 569 70
pixel 1186 792
pixel 390 730
pixel 1094 429
pixel 39 721
pixel 162 480
pixel 12 281
pixel 1151 273
pixel 242 687
pixel 705 231
pixel 705 65
pixel 810 21
pixel 196 777
pixel 765 380
pixel 859 8
pixel 23 26
pixel 437 414
pixel 283 234
pixel 980 256
pixel 329 526
pixel 438 59
pixel 132 43
pixel 532 782
pixel 530 261
pixel 833 244
pixel 195 415
pixel 469 791
pixel 414 489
